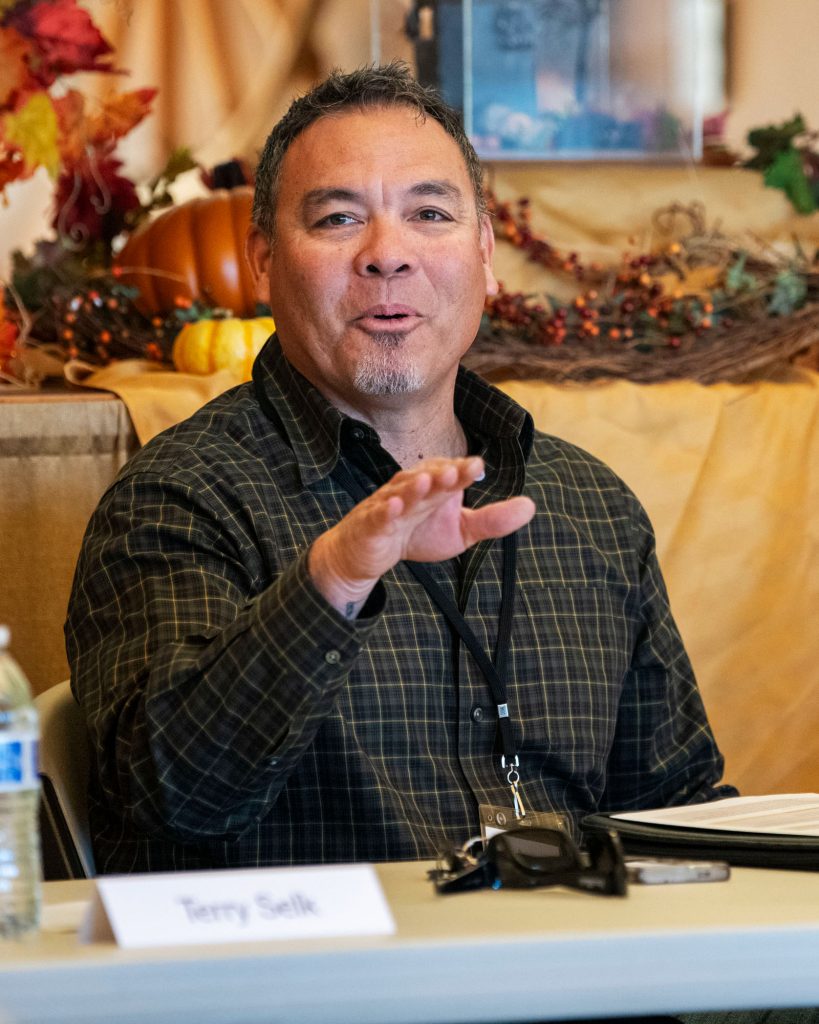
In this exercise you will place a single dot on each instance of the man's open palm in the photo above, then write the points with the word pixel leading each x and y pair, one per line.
pixel 418 515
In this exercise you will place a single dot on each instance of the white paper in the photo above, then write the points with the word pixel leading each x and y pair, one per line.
pixel 202 907
pixel 783 814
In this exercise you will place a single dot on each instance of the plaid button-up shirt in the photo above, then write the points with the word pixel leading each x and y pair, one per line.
pixel 237 719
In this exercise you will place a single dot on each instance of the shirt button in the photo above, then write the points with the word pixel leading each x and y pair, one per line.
pixel 357 434
pixel 332 657
pixel 273 762
pixel 476 714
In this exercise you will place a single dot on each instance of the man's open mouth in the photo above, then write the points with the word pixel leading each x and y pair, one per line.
pixel 388 317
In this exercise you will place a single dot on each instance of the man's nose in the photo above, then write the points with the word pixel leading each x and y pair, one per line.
pixel 384 251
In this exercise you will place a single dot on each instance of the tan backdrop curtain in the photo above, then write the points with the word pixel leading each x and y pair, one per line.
pixel 225 70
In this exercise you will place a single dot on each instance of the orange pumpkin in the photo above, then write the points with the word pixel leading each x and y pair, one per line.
pixel 205 346
pixel 193 251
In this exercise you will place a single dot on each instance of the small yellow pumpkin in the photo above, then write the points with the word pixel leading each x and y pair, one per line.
pixel 205 346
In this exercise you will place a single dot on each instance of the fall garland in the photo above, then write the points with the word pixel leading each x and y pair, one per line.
pixel 706 307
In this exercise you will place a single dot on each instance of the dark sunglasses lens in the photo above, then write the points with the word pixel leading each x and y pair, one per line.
pixel 536 852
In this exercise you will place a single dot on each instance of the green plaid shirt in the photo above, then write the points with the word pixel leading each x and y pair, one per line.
pixel 237 719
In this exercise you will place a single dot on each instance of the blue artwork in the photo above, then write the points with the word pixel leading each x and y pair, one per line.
pixel 564 79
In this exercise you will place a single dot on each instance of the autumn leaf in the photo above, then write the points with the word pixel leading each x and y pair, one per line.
pixel 13 68
pixel 12 168
pixel 695 281
pixel 119 114
pixel 33 130
pixel 64 39
pixel 71 122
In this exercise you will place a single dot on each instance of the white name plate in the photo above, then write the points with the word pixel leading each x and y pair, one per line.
pixel 199 907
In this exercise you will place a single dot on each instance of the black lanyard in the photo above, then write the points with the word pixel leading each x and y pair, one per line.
pixel 495 674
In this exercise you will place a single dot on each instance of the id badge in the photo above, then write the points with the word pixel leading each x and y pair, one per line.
pixel 496 818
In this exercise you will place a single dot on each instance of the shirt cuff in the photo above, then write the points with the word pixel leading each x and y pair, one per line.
pixel 302 624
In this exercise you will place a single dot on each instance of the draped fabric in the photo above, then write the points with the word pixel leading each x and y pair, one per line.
pixel 58 453
pixel 225 71
pixel 729 474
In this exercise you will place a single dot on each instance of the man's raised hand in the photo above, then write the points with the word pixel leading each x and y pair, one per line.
pixel 418 515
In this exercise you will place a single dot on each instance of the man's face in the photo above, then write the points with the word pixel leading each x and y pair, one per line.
pixel 380 266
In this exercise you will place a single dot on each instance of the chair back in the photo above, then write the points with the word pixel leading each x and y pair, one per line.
pixel 64 767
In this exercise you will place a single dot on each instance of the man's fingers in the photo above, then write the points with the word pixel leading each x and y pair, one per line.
pixel 433 477
pixel 498 519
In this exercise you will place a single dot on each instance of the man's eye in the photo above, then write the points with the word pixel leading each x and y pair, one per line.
pixel 432 215
pixel 334 220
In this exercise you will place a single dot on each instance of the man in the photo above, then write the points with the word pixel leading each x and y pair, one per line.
pixel 264 630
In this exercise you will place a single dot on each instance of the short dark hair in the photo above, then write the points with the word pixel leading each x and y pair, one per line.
pixel 385 85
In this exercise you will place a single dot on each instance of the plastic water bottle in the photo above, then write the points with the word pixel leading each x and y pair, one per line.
pixel 20 872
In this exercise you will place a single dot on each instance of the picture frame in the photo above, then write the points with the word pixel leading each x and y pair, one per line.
pixel 567 79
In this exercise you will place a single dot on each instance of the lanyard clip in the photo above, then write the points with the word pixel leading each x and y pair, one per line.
pixel 513 778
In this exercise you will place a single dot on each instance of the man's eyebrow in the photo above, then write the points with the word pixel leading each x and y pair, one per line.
pixel 444 189
pixel 318 196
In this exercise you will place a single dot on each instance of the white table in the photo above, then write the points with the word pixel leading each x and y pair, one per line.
pixel 486 956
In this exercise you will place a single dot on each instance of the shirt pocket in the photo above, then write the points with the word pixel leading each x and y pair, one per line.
pixel 571 650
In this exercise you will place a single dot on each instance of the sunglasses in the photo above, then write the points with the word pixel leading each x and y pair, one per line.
pixel 527 858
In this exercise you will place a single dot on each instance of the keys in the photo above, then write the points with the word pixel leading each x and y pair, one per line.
pixel 513 778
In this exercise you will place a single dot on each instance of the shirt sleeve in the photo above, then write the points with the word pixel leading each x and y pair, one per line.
pixel 202 683
pixel 664 752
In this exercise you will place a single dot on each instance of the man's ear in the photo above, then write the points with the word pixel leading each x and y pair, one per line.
pixel 487 254
pixel 257 254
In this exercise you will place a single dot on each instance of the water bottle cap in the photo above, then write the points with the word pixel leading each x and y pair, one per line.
pixel 5 637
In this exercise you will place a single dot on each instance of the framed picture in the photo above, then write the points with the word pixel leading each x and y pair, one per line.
pixel 566 79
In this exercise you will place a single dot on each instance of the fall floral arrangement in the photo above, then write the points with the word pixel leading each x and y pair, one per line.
pixel 702 306
pixel 45 122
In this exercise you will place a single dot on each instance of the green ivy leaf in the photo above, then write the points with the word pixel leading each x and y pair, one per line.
pixel 772 140
pixel 738 279
pixel 180 161
pixel 790 291
pixel 788 173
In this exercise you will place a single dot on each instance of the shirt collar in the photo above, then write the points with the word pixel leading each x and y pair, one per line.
pixel 313 425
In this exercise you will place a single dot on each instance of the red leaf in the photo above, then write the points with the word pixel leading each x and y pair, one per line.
pixel 64 37
pixel 14 75
pixel 92 199
pixel 12 168
pixel 8 334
